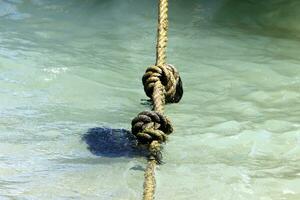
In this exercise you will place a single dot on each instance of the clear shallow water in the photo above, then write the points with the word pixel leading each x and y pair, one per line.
pixel 67 66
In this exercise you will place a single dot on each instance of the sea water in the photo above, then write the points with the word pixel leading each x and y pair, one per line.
pixel 69 66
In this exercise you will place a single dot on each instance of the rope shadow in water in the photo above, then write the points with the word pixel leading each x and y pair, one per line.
pixel 108 142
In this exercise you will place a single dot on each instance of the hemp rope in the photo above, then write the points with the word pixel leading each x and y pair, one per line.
pixel 162 84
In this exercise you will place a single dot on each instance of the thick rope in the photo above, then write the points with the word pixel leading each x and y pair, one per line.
pixel 162 84
pixel 162 31
pixel 157 97
pixel 149 183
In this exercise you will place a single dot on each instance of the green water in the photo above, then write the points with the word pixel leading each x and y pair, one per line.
pixel 67 66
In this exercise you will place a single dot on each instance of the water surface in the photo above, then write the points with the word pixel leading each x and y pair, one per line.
pixel 67 66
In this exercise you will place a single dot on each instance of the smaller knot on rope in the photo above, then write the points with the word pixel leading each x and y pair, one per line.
pixel 151 126
pixel 169 78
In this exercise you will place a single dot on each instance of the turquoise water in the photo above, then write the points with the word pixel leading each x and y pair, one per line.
pixel 67 66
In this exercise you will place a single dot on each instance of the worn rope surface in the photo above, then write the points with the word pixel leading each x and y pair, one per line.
pixel 162 84
pixel 162 31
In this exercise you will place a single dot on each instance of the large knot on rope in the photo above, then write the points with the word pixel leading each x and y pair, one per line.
pixel 151 126
pixel 169 79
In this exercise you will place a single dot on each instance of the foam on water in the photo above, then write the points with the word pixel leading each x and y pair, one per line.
pixel 68 66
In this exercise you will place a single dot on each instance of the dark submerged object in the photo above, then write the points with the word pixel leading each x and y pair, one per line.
pixel 108 142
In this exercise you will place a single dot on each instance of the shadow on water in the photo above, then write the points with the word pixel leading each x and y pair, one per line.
pixel 108 142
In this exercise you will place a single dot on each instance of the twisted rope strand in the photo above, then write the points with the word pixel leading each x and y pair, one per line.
pixel 162 84
pixel 162 31
pixel 157 95
pixel 149 183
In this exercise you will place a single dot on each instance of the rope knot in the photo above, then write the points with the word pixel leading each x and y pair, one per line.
pixel 168 77
pixel 149 126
